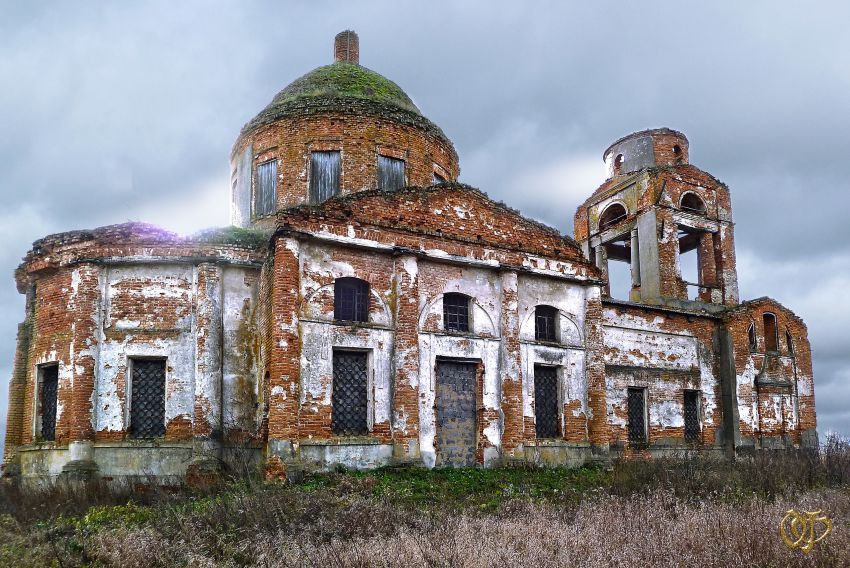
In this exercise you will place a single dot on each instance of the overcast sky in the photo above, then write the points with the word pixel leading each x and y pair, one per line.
pixel 117 111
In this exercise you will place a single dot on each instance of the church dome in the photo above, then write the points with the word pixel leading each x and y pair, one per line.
pixel 340 80
pixel 339 129
pixel 344 86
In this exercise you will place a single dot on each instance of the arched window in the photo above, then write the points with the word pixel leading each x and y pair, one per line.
pixel 612 215
pixel 351 299
pixel 618 164
pixel 770 339
pixel 456 312
pixel 691 202
pixel 677 154
pixel 751 336
pixel 790 342
pixel 545 323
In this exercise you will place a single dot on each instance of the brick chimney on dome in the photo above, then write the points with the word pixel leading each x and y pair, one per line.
pixel 347 47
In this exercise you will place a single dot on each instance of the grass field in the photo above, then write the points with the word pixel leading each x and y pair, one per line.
pixel 671 512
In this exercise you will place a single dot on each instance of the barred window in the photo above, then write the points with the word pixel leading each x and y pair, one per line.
pixel 351 299
pixel 48 391
pixel 546 422
pixel 545 318
pixel 390 173
pixel 349 400
pixel 637 415
pixel 147 398
pixel 265 188
pixel 324 176
pixel 692 421
pixel 456 312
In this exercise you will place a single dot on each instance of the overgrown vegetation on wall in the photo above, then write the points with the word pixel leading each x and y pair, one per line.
pixel 666 512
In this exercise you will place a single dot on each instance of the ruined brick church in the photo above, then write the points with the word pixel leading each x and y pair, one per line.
pixel 366 309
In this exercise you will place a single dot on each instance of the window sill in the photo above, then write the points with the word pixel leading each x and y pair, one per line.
pixel 555 443
pixel 343 441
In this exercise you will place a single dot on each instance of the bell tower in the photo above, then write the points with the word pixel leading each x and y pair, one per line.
pixel 669 222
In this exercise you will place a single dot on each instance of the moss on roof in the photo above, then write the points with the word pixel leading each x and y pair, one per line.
pixel 237 236
pixel 343 79
pixel 348 88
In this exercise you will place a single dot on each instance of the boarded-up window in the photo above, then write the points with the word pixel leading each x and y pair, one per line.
pixel 546 423
pixel 47 400
pixel 265 188
pixel 637 415
pixel 455 312
pixel 147 398
pixel 349 400
pixel 545 318
pixel 692 421
pixel 351 299
pixel 770 340
pixel 324 176
pixel 390 173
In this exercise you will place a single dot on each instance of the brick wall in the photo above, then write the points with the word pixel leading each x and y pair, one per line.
pixel 359 138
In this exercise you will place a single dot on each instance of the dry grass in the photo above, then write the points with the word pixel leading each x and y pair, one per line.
pixel 657 530
pixel 665 512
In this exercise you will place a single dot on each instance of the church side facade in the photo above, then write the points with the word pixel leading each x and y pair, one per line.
pixel 367 309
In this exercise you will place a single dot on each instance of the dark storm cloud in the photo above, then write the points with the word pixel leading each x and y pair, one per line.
pixel 117 111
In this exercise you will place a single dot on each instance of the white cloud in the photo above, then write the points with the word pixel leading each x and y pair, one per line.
pixel 200 207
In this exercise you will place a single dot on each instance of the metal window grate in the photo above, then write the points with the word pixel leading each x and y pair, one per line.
pixel 456 312
pixel 266 188
pixel 49 392
pixel 324 176
pixel 147 398
pixel 349 400
pixel 351 299
pixel 546 402
pixel 692 421
pixel 390 173
pixel 637 416
pixel 544 323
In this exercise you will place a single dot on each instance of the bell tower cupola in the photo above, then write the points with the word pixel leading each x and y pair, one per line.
pixel 659 228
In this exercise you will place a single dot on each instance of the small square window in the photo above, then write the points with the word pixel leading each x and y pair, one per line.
pixel 266 188
pixel 390 173
pixel 456 312
pixel 545 326
pixel 351 299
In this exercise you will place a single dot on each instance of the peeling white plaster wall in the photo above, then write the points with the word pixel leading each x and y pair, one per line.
pixel 170 281
pixel 638 341
pixel 318 343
